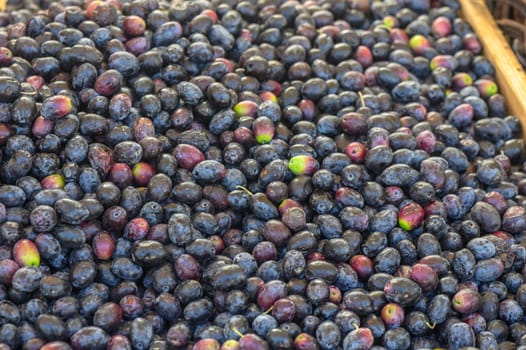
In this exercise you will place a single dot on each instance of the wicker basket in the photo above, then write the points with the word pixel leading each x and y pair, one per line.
pixel 510 15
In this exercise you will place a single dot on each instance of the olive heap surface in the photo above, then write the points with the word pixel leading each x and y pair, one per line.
pixel 256 175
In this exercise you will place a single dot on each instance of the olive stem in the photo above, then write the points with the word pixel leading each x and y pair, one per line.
pixel 431 325
pixel 242 187
pixel 235 330
pixel 362 100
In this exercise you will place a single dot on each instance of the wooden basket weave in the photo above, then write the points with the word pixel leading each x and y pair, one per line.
pixel 510 15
